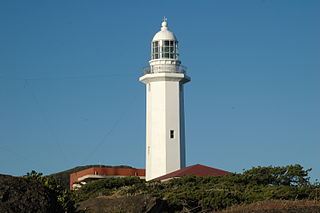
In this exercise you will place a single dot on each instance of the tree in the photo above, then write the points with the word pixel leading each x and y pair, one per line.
pixel 292 175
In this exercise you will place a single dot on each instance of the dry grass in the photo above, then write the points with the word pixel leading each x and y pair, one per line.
pixel 272 205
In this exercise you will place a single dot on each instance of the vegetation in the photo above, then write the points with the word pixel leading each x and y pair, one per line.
pixel 256 184
pixel 65 200
pixel 214 193
pixel 108 186
pixel 197 194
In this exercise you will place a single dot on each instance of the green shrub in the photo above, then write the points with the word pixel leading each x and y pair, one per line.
pixel 107 186
pixel 63 196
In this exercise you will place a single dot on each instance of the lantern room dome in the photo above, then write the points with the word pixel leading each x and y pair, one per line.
pixel 164 33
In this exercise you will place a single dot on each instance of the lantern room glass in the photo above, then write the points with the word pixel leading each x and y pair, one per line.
pixel 167 49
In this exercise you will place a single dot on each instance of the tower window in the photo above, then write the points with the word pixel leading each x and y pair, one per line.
pixel 155 50
pixel 169 49
pixel 164 49
pixel 171 133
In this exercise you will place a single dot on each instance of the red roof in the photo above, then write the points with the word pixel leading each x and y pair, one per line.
pixel 197 170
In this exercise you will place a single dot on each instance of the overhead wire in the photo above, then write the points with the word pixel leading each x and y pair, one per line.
pixel 110 130
pixel 46 120
pixel 67 77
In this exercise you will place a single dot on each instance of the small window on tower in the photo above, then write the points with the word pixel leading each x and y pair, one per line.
pixel 171 133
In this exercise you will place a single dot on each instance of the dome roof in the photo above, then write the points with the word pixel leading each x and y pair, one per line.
pixel 164 33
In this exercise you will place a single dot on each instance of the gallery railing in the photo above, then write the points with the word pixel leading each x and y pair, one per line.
pixel 163 68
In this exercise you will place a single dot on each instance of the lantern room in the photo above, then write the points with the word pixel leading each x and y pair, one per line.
pixel 164 44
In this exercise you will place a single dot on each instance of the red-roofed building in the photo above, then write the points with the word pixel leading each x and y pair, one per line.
pixel 197 170
pixel 82 177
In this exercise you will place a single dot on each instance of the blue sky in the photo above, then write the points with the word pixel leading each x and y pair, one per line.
pixel 70 95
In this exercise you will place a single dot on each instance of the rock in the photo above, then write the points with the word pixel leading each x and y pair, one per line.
pixel 130 204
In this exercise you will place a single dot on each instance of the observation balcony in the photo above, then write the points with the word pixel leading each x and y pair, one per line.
pixel 165 68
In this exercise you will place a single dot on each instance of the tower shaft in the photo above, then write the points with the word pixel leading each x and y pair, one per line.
pixel 165 137
pixel 165 131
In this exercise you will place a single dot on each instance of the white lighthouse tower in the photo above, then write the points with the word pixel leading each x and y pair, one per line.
pixel 165 132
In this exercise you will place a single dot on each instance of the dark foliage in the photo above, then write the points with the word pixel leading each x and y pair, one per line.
pixel 23 195
pixel 64 198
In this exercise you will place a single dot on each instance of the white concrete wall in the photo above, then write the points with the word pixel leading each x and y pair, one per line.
pixel 172 116
pixel 164 112
pixel 182 128
pixel 156 110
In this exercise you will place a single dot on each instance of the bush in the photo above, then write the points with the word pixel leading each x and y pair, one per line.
pixel 106 187
pixel 64 197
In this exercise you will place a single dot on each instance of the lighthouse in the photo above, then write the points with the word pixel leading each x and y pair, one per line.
pixel 165 129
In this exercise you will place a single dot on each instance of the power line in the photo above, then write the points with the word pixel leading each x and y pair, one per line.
pixel 45 119
pixel 68 77
pixel 43 114
pixel 110 131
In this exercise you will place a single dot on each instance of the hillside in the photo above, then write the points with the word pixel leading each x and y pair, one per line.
pixel 64 176
pixel 140 203
pixel 36 194
pixel 207 194
pixel 284 189
pixel 277 206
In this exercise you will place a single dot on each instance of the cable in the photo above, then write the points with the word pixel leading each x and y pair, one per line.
pixel 45 119
pixel 44 114
pixel 114 126
pixel 69 77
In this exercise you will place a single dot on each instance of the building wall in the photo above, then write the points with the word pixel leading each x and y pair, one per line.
pixel 121 172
